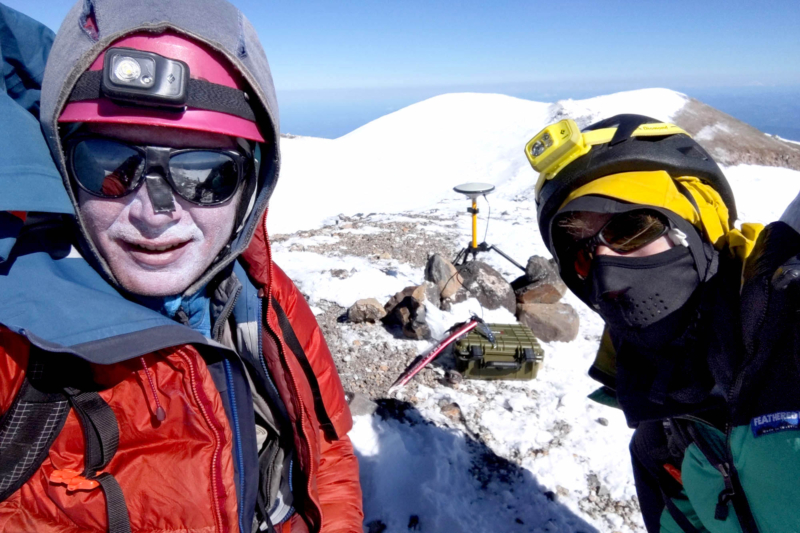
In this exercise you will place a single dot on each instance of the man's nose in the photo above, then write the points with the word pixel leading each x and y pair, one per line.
pixel 154 203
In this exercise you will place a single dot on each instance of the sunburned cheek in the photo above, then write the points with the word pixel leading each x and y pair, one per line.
pixel 157 255
pixel 98 215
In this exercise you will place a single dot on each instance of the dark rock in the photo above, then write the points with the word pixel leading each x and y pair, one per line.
pixel 453 377
pixel 602 421
pixel 405 310
pixel 461 295
pixel 397 298
pixel 340 273
pixel 428 291
pixel 539 268
pixel 442 272
pixel 487 285
pixel 540 283
pixel 366 310
pixel 360 404
pixel 550 322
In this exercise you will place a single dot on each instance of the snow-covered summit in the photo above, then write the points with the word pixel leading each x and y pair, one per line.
pixel 414 156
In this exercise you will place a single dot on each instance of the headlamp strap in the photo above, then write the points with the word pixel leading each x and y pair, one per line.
pixel 624 131
pixel 201 94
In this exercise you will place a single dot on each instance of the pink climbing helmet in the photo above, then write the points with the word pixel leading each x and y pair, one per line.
pixel 217 99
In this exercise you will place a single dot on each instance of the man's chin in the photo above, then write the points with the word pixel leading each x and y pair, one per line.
pixel 163 282
pixel 161 288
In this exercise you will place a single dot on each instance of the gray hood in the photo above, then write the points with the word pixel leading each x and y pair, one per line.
pixel 216 23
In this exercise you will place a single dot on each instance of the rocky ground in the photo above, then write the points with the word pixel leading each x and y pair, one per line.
pixel 370 356
pixel 733 142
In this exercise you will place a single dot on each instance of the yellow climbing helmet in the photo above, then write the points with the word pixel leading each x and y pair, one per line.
pixel 661 158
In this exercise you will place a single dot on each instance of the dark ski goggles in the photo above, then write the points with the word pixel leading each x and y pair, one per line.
pixel 113 169
pixel 623 233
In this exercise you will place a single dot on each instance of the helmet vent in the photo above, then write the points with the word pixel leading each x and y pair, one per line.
pixel 691 151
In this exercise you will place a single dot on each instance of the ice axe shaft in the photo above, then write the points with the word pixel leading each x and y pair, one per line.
pixel 408 375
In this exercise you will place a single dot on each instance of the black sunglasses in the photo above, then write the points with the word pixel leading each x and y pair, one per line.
pixel 623 233
pixel 112 169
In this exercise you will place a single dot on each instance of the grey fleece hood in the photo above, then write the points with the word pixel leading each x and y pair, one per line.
pixel 92 25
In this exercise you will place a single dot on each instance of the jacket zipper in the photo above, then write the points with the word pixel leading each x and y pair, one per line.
pixel 261 354
pixel 728 468
pixel 237 434
pixel 216 489
pixel 237 440
pixel 227 311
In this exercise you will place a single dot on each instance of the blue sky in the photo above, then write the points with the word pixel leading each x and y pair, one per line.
pixel 393 43
pixel 340 64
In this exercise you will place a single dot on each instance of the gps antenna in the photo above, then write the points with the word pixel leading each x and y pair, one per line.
pixel 472 191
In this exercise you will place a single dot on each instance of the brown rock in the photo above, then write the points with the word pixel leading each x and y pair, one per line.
pixel 540 283
pixel 442 272
pixel 543 292
pixel 366 310
pixel 404 309
pixel 427 291
pixel 452 411
pixel 399 297
pixel 550 322
pixel 487 285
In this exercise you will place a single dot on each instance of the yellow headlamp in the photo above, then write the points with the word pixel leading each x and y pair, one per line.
pixel 561 143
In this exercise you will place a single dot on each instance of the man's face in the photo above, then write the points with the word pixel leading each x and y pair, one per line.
pixel 157 254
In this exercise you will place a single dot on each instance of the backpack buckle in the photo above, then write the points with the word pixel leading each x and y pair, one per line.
pixel 73 480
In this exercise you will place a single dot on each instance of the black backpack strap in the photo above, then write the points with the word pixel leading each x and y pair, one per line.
pixel 652 448
pixel 116 508
pixel 678 516
pixel 297 349
pixel 36 417
pixel 100 429
pixel 29 427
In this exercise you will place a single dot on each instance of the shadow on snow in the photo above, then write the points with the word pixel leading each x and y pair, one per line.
pixel 417 476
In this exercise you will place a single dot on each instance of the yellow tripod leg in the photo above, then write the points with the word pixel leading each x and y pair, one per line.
pixel 475 223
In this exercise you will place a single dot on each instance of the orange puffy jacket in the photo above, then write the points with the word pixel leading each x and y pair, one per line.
pixel 178 475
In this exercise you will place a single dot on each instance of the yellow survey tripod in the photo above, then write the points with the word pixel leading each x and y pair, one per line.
pixel 473 191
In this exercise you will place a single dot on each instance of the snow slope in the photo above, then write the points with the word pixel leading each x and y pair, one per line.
pixel 533 456
pixel 411 159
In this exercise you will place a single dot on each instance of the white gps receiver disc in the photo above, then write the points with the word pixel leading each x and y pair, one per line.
pixel 473 190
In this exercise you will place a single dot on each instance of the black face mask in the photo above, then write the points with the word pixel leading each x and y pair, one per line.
pixel 645 300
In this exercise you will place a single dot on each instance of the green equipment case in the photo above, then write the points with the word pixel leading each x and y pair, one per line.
pixel 516 353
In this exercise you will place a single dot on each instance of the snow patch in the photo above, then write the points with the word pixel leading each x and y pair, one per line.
pixel 707 133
